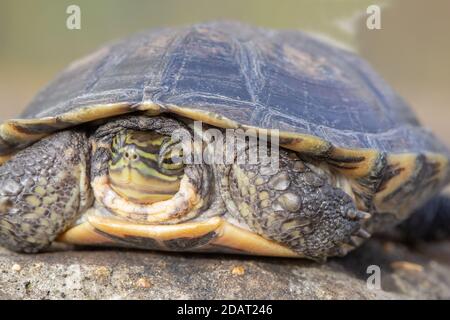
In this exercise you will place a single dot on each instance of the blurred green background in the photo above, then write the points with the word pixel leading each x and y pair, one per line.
pixel 411 51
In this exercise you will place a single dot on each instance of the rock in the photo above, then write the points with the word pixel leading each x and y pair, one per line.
pixel 422 272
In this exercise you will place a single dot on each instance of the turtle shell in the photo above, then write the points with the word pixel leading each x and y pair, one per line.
pixel 325 101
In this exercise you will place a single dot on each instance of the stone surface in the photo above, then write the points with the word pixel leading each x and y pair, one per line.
pixel 421 272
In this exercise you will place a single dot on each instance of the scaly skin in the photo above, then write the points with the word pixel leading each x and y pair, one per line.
pixel 295 206
pixel 42 191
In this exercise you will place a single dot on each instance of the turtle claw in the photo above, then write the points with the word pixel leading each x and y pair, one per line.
pixel 344 249
pixel 363 234
pixel 353 242
pixel 356 241
pixel 358 215
pixel 362 215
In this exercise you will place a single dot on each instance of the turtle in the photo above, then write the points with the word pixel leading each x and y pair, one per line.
pixel 102 156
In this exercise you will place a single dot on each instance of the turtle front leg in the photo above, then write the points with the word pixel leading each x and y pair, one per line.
pixel 299 205
pixel 43 190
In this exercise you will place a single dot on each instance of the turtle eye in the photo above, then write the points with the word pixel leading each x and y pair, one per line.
pixel 118 142
pixel 145 166
pixel 170 158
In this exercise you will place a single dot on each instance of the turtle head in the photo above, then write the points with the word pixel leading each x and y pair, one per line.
pixel 142 167
pixel 138 172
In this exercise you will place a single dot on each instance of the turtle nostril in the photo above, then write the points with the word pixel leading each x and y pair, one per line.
pixel 134 157
pixel 127 155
